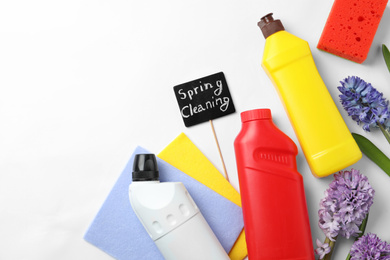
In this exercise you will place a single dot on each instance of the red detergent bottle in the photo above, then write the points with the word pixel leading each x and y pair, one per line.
pixel 272 192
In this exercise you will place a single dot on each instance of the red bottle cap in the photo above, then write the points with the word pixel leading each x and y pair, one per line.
pixel 256 114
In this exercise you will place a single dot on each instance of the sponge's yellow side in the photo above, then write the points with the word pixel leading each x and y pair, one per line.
pixel 185 156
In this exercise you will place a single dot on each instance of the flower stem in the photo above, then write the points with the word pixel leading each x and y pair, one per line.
pixel 362 228
pixel 331 243
pixel 385 132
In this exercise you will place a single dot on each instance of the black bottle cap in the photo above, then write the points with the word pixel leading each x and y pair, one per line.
pixel 145 168
pixel 270 26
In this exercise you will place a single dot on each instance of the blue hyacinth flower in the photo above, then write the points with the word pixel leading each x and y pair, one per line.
pixel 364 103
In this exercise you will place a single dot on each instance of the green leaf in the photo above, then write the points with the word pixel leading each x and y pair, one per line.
pixel 373 152
pixel 386 55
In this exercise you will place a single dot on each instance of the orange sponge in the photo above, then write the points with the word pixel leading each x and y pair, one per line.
pixel 351 27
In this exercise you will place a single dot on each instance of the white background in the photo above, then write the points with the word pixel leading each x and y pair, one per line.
pixel 82 83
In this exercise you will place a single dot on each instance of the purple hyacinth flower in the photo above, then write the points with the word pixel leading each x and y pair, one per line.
pixel 364 103
pixel 323 249
pixel 346 204
pixel 370 246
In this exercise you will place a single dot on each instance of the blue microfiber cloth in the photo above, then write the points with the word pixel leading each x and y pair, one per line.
pixel 117 230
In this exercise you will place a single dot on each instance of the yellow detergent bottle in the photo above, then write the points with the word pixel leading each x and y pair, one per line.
pixel 322 133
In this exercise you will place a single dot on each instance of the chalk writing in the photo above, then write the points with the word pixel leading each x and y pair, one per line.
pixel 204 99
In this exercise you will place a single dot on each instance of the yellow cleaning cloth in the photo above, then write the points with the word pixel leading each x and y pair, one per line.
pixel 185 156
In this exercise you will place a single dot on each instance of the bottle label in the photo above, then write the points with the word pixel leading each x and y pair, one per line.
pixel 260 154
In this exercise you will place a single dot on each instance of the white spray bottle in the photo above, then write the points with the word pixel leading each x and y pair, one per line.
pixel 170 216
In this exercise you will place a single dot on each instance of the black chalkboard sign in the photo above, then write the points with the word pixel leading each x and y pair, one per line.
pixel 204 99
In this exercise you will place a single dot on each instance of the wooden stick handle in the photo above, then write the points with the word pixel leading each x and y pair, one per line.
pixel 219 150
